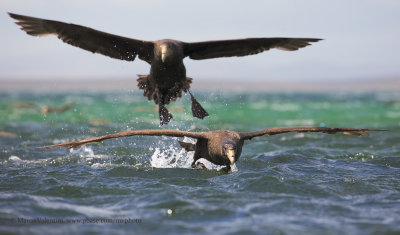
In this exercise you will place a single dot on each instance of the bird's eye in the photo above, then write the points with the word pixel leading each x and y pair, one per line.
pixel 228 146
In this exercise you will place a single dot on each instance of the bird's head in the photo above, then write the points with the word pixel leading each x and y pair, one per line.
pixel 164 51
pixel 229 151
pixel 170 51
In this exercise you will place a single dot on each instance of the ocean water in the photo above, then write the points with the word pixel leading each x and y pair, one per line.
pixel 292 183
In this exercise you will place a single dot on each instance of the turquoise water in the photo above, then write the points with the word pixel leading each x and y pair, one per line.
pixel 284 184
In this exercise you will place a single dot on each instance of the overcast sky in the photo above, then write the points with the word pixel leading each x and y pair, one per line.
pixel 361 38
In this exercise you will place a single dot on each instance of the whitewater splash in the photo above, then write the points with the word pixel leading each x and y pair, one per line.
pixel 172 157
pixel 87 155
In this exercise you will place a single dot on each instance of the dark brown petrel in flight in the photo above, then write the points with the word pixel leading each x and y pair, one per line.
pixel 221 147
pixel 167 79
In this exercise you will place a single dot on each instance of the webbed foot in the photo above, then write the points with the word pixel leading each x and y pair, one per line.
pixel 164 114
pixel 199 165
pixel 197 110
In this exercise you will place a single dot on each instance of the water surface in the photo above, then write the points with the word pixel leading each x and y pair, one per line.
pixel 284 184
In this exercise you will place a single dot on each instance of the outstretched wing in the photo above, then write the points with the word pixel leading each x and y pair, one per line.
pixel 242 47
pixel 161 132
pixel 328 130
pixel 89 39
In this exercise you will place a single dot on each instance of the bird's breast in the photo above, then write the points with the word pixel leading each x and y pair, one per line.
pixel 167 72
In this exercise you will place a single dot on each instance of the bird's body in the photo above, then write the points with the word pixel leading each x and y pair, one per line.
pixel 167 78
pixel 214 150
pixel 220 147
pixel 209 147
pixel 167 69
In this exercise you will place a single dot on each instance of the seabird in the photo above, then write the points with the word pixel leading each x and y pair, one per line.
pixel 221 147
pixel 167 79
pixel 7 134
pixel 45 109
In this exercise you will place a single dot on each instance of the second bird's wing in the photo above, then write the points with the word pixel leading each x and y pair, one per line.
pixel 149 132
pixel 328 130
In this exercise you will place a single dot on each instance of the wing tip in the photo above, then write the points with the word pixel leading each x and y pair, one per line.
pixel 296 43
pixel 315 39
pixel 18 17
pixel 12 15
pixel 360 132
pixel 68 145
pixel 30 25
pixel 55 146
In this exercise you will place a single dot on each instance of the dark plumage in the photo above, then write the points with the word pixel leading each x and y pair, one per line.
pixel 167 79
pixel 220 147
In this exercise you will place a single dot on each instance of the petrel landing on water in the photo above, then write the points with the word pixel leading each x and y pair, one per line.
pixel 221 147
pixel 167 79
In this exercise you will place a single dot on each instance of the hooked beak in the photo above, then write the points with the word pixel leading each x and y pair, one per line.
pixel 163 52
pixel 231 155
